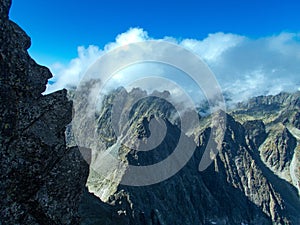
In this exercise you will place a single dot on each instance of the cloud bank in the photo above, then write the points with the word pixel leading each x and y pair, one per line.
pixel 244 67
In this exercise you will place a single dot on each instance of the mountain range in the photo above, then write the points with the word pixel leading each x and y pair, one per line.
pixel 60 168
pixel 254 178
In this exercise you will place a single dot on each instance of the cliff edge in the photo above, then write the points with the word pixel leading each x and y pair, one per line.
pixel 41 179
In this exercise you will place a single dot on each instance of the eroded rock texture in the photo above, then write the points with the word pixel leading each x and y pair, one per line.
pixel 188 197
pixel 239 187
pixel 41 180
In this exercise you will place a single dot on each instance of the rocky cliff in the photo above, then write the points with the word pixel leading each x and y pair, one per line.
pixel 253 180
pixel 41 180
pixel 279 145
pixel 250 181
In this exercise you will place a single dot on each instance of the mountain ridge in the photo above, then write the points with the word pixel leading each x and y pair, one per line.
pixel 252 180
pixel 239 162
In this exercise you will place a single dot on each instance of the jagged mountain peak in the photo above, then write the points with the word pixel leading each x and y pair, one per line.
pixel 283 98
pixel 238 167
pixel 252 178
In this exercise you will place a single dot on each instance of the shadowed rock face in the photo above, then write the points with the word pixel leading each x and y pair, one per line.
pixel 188 197
pixel 296 120
pixel 278 150
pixel 240 163
pixel 255 133
pixel 41 180
pixel 239 187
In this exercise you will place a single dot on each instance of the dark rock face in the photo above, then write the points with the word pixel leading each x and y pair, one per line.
pixel 244 169
pixel 5 5
pixel 278 151
pixel 188 197
pixel 296 120
pixel 255 132
pixel 240 187
pixel 41 180
pixel 271 102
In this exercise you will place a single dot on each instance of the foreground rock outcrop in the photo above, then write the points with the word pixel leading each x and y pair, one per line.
pixel 41 180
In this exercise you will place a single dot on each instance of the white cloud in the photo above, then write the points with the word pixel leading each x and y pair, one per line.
pixel 262 66
pixel 71 74
pixel 212 47
pixel 131 36
pixel 244 67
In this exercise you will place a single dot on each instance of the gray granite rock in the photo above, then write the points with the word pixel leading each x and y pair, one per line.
pixel 41 180
pixel 255 132
pixel 296 120
pixel 188 197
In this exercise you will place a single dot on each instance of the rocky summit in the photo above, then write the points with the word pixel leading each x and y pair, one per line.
pixel 46 179
pixel 253 180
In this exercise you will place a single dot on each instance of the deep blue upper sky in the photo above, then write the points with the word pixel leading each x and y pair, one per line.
pixel 57 27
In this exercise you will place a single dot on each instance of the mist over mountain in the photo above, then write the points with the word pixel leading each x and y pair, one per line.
pixel 244 67
pixel 256 170
pixel 137 158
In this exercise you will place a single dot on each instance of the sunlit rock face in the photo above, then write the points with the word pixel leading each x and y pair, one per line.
pixel 239 187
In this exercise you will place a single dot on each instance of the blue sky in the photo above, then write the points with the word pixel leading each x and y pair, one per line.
pixel 58 27
pixel 252 47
